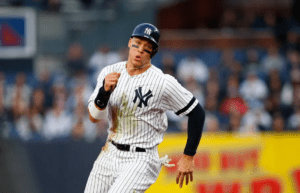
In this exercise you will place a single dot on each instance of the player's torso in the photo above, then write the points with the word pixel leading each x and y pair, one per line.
pixel 134 105
pixel 137 94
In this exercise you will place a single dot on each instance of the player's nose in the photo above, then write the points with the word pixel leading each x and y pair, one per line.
pixel 141 48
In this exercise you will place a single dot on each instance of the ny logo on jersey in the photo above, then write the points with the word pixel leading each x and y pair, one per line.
pixel 147 31
pixel 138 94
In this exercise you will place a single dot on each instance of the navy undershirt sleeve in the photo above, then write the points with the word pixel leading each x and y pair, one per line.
pixel 195 129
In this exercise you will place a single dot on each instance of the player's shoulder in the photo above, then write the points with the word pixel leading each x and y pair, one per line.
pixel 160 73
pixel 117 67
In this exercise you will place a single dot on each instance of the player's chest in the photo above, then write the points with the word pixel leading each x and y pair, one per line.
pixel 132 92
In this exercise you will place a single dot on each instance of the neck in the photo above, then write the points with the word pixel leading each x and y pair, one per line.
pixel 137 70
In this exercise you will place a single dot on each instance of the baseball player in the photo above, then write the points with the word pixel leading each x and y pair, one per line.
pixel 136 95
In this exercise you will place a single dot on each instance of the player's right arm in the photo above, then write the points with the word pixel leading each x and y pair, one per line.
pixel 99 99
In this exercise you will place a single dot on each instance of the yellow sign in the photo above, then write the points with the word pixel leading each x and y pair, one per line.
pixel 224 163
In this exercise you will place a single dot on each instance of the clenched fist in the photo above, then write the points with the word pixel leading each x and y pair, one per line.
pixel 111 81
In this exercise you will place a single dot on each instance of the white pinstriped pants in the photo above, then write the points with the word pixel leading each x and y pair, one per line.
pixel 117 171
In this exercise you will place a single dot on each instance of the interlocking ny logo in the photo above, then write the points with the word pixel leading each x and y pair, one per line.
pixel 147 31
pixel 138 94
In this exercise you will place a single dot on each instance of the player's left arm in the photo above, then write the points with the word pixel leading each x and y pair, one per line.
pixel 178 99
pixel 195 128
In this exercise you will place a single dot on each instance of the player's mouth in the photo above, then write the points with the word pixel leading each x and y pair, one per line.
pixel 138 58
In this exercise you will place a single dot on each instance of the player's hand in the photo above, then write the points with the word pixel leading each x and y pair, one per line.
pixel 185 170
pixel 111 81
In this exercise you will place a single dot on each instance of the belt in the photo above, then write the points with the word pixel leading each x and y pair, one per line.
pixel 123 147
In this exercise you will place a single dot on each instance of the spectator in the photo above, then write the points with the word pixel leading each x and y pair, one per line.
pixel 293 62
pixel 229 65
pixel 212 124
pixel 232 99
pixel 288 91
pixel 266 21
pixel 196 89
pixel 20 90
pixel 83 128
pixel 212 102
pixel 45 83
pixel 278 123
pixel 273 60
pixel 3 90
pixel 75 60
pixel 101 58
pixel 192 66
pixel 18 99
pixel 256 119
pixel 294 120
pixel 57 122
pixel 4 125
pixel 274 82
pixel 80 92
pixel 253 63
pixel 37 112
pixel 273 105
pixel 253 88
pixel 234 122
pixel 291 41
pixel 168 64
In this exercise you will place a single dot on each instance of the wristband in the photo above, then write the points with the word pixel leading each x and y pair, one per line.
pixel 102 98
pixel 95 113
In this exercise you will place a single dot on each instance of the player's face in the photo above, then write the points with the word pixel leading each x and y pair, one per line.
pixel 140 51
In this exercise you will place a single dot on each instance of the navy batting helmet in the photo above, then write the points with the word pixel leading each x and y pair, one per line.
pixel 149 32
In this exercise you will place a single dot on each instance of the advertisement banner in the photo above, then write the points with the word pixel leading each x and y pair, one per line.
pixel 17 32
pixel 224 163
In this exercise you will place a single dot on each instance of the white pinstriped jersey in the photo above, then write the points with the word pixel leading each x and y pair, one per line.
pixel 136 108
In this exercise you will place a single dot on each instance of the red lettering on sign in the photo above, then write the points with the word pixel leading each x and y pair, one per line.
pixel 202 161
pixel 227 161
pixel 266 185
pixel 219 187
pixel 238 160
pixel 296 176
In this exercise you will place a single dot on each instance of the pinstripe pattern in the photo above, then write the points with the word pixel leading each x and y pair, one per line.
pixel 118 171
pixel 143 127
pixel 139 126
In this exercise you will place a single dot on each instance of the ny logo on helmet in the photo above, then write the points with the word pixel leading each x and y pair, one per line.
pixel 138 94
pixel 147 31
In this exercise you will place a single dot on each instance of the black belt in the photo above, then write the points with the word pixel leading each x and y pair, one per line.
pixel 123 147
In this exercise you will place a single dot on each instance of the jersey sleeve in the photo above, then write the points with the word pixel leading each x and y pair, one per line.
pixel 100 80
pixel 176 98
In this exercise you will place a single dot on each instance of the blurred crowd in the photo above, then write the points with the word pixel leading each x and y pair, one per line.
pixel 56 6
pixel 259 93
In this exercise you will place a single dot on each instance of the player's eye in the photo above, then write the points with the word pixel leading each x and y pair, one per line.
pixel 134 46
pixel 147 51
